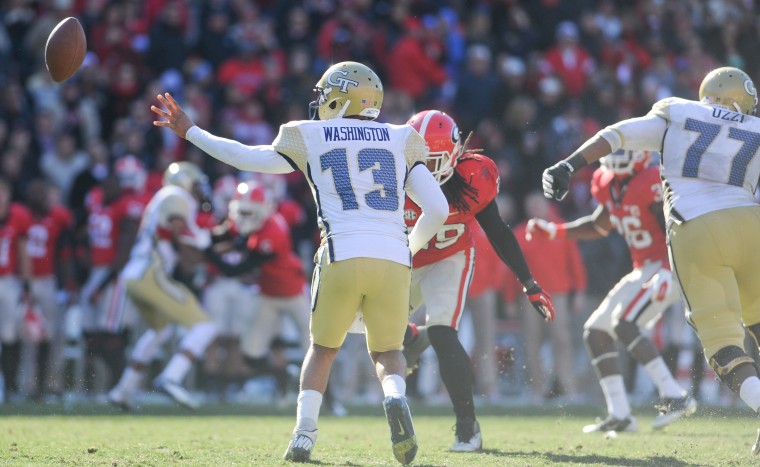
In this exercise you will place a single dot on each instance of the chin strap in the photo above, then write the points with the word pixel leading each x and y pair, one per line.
pixel 344 108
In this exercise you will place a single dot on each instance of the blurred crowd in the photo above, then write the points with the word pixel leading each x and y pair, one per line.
pixel 530 79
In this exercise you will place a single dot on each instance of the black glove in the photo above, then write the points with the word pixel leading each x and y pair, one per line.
pixel 556 180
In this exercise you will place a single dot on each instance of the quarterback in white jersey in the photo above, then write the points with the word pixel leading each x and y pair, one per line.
pixel 151 280
pixel 360 172
pixel 710 171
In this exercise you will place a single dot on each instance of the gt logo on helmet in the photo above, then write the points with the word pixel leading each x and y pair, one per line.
pixel 341 82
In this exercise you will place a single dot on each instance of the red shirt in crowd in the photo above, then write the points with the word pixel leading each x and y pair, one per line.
pixel 572 65
pixel 419 72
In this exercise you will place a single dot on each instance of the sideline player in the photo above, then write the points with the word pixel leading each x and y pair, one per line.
pixel 709 170
pixel 265 242
pixel 49 247
pixel 115 209
pixel 359 171
pixel 15 273
pixel 629 193
pixel 168 243
pixel 443 267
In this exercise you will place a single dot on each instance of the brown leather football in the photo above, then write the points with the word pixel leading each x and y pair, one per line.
pixel 65 49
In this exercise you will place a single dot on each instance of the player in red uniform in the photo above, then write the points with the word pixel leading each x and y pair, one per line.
pixel 111 229
pixel 265 239
pixel 15 273
pixel 629 194
pixel 443 269
pixel 49 247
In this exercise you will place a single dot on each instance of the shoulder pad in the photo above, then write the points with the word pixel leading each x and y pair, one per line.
pixel 415 150
pixel 290 142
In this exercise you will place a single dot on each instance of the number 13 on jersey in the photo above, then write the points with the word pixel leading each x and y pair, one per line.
pixel 383 166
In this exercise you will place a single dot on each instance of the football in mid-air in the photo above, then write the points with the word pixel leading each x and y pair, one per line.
pixel 65 49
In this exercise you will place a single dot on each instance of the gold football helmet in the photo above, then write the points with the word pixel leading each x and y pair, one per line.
pixel 729 87
pixel 184 175
pixel 348 89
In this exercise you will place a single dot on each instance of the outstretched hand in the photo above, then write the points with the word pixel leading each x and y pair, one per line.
pixel 542 302
pixel 176 118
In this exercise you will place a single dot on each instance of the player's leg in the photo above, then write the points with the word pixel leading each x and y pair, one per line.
pixel 416 339
pixel 643 309
pixel 90 306
pixel 257 339
pixel 599 338
pixel 218 302
pixel 113 337
pixel 50 349
pixel 144 350
pixel 483 311
pixel 709 260
pixel 534 330
pixel 563 351
pixel 10 339
pixel 178 304
pixel 385 307
pixel 335 300
pixel 444 288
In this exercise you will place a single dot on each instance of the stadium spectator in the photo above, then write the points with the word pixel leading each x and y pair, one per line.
pixel 569 60
pixel 421 52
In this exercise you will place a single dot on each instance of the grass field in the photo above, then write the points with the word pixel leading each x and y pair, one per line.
pixel 229 435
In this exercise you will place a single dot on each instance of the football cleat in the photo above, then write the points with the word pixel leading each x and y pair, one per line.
pixel 671 409
pixel 120 399
pixel 415 347
pixel 180 395
pixel 612 424
pixel 467 437
pixel 299 448
pixel 403 438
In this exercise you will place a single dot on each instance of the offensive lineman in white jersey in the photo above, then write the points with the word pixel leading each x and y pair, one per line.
pixel 168 242
pixel 710 171
pixel 359 172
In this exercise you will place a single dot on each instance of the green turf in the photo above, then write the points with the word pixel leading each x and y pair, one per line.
pixel 244 436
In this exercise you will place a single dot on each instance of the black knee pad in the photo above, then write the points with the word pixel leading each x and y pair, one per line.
pixel 726 361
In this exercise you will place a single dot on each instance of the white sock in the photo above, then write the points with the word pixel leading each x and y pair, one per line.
pixel 394 385
pixel 750 392
pixel 614 393
pixel 129 380
pixel 177 368
pixel 663 379
pixel 307 411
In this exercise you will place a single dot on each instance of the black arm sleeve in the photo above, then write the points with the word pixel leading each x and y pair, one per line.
pixel 504 241
pixel 251 260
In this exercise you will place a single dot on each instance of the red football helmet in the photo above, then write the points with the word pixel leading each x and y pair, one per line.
pixel 250 207
pixel 444 141
pixel 131 173
pixel 625 163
